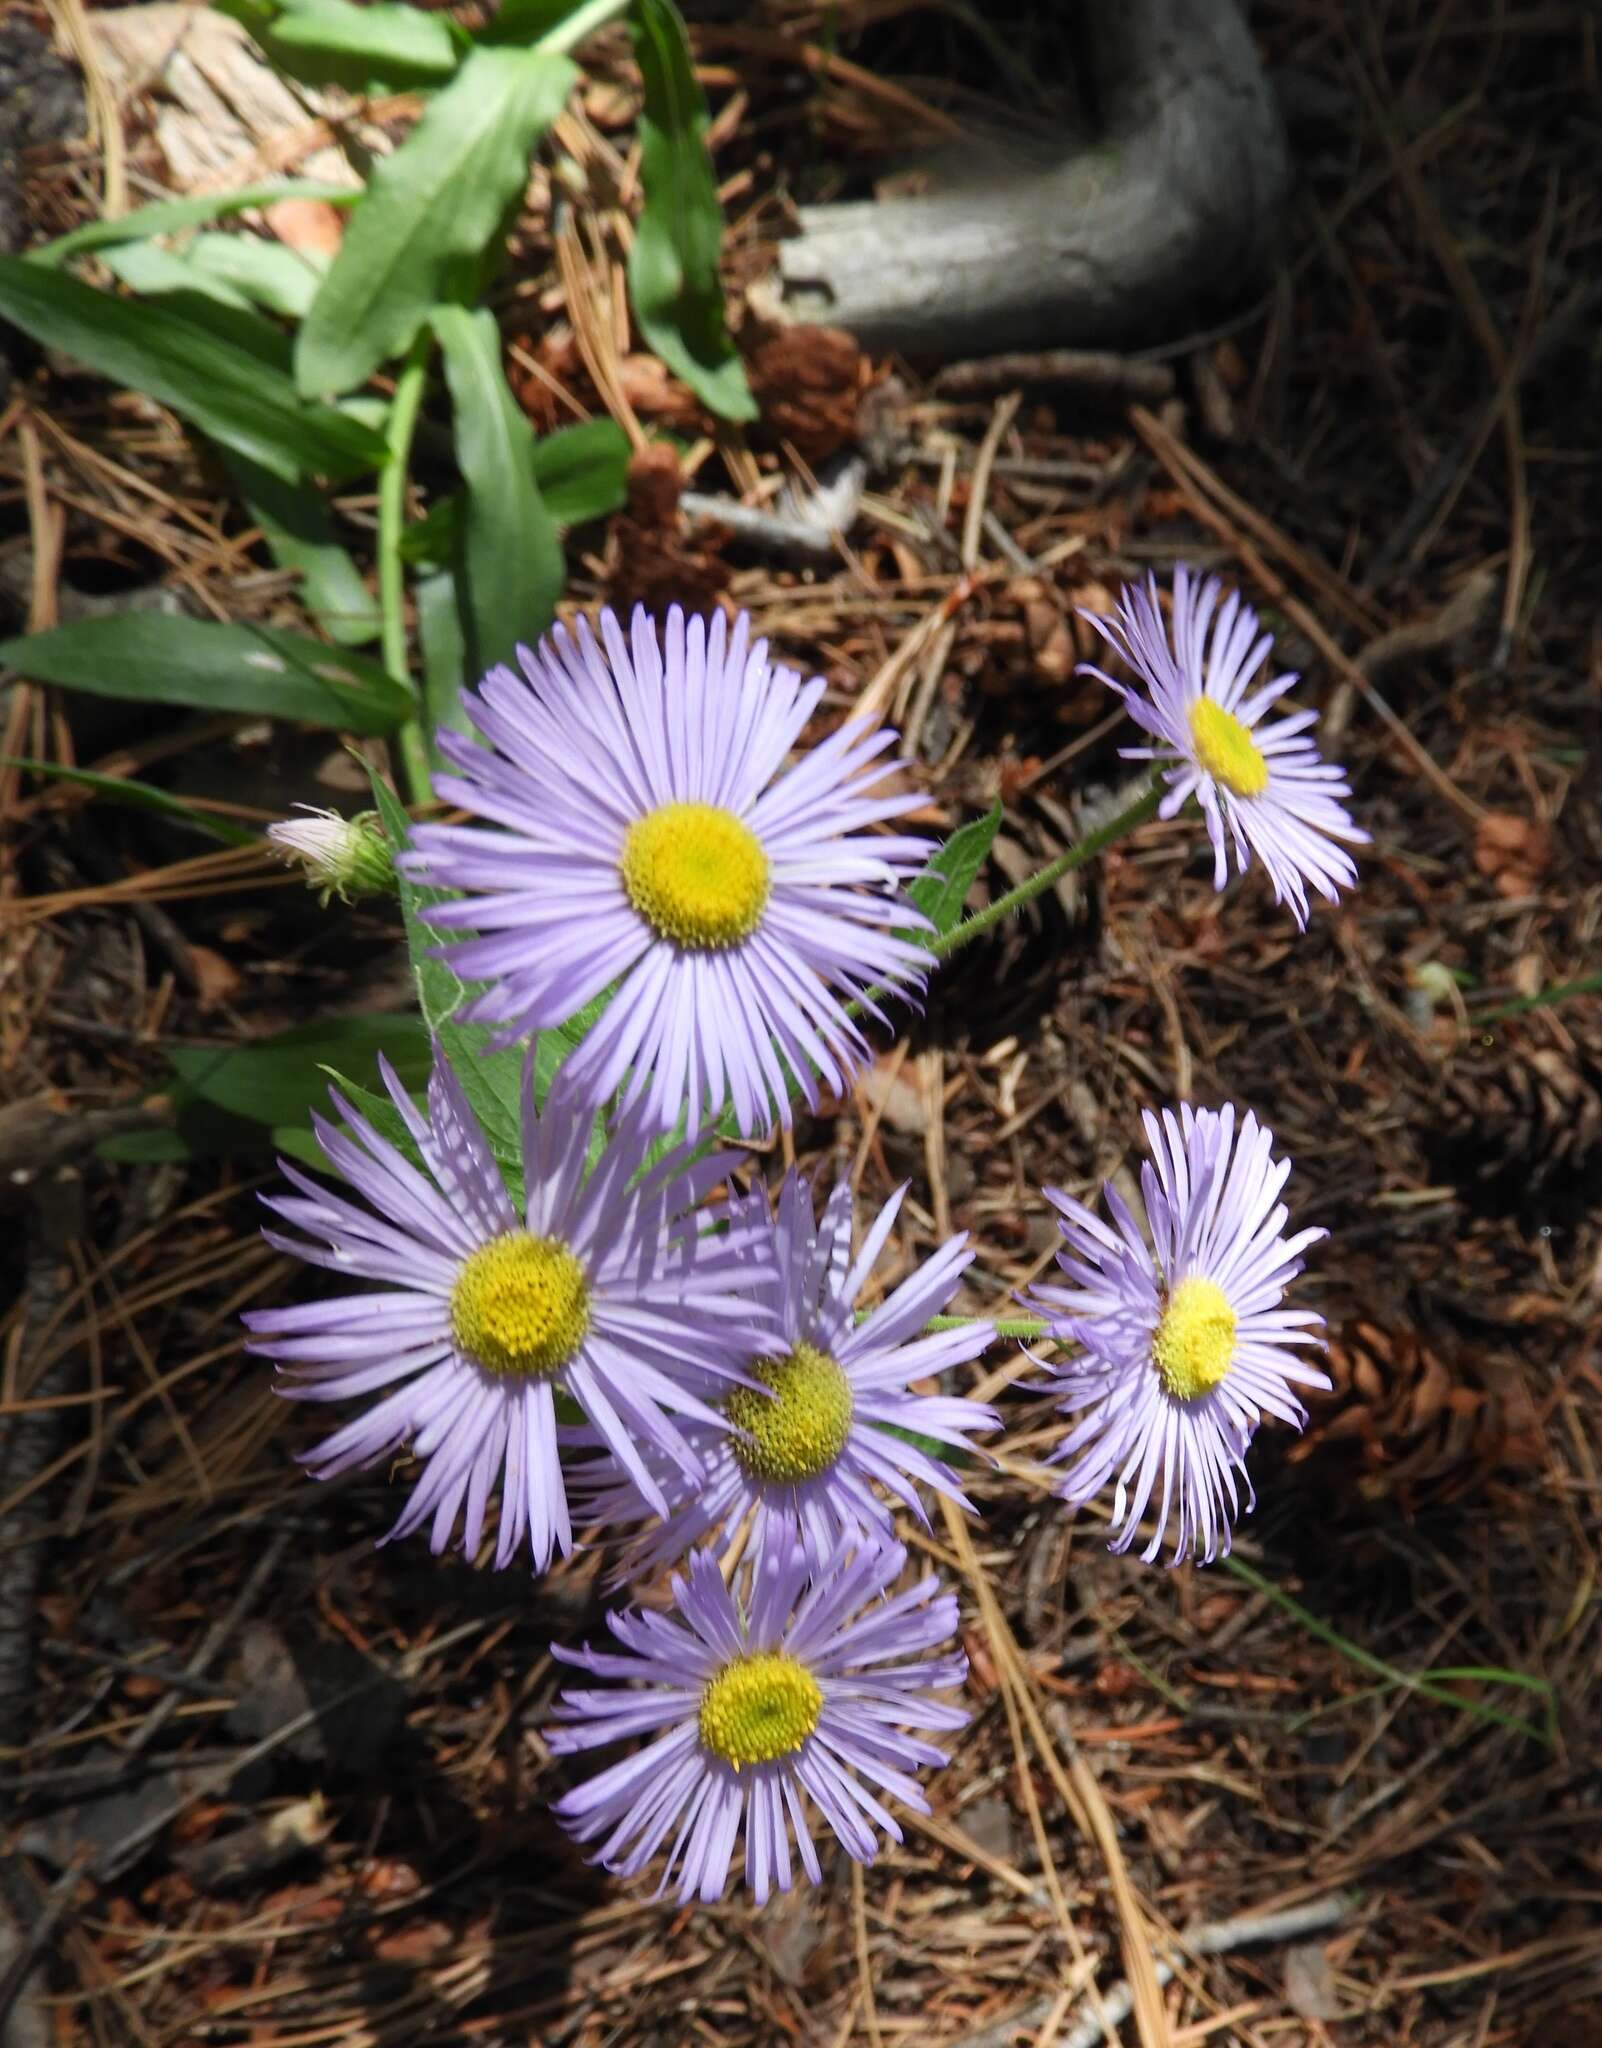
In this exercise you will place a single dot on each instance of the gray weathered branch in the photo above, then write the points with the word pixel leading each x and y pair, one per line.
pixel 1174 202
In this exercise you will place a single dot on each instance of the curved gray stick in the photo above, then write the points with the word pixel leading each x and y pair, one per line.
pixel 1176 198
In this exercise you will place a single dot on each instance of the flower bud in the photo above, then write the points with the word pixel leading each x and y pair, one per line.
pixel 347 857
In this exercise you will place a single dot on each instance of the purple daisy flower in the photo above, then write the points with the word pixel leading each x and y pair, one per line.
pixel 1263 786
pixel 814 1439
pixel 800 1692
pixel 1186 1344
pixel 605 1287
pixel 651 841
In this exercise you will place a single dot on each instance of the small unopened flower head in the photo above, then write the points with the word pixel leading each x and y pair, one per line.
pixel 343 857
pixel 605 1286
pixel 830 1435
pixel 791 1692
pixel 1261 783
pixel 650 835
pixel 1186 1344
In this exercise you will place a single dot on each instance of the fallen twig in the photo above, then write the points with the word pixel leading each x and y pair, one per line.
pixel 1092 370
pixel 1217 1939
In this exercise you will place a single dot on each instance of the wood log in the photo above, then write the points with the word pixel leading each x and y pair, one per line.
pixel 1170 208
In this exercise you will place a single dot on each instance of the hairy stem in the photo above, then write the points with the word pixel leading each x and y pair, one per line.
pixel 1144 807
pixel 402 424
pixel 1025 1328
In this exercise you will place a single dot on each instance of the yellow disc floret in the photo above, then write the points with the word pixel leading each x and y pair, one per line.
pixel 759 1708
pixel 1226 749
pixel 696 874
pixel 800 1426
pixel 1195 1342
pixel 520 1306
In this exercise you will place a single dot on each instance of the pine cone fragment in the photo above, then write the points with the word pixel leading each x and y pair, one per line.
pixel 808 382
pixel 1520 1130
pixel 1416 1429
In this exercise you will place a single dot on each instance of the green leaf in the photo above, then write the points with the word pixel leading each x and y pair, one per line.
pixel 439 635
pixel 154 272
pixel 139 796
pixel 209 303
pixel 673 266
pixel 492 1081
pixel 266 273
pixel 942 889
pixel 169 216
pixel 331 42
pixel 260 670
pixel 198 1131
pixel 299 531
pixel 238 1100
pixel 277 1080
pixel 214 384
pixel 433 540
pixel 379 1111
pixel 526 21
pixel 431 210
pixel 583 470
pixel 511 560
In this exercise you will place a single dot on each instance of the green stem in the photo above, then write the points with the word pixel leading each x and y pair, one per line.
pixel 399 429
pixel 1144 807
pixel 1025 1328
pixel 1543 999
pixel 581 22
pixel 1429 1687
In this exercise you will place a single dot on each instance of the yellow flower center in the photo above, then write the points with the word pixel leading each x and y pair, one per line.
pixel 799 1427
pixel 696 875
pixel 1226 749
pixel 1195 1341
pixel 520 1306
pixel 759 1708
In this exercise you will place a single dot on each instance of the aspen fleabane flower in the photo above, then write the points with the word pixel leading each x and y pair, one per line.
pixel 651 837
pixel 1262 787
pixel 605 1288
pixel 792 1690
pixel 1186 1345
pixel 814 1445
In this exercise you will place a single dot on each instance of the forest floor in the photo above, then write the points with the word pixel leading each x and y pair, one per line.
pixel 273 1786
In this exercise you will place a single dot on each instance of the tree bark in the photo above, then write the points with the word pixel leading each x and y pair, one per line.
pixel 1173 205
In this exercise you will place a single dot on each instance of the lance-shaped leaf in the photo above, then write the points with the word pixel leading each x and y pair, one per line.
pixel 208 666
pixel 138 796
pixel 492 1081
pixel 583 470
pixel 277 1080
pixel 511 561
pixel 419 236
pixel 221 388
pixel 332 42
pixel 167 216
pixel 673 266
pixel 942 889
pixel 299 530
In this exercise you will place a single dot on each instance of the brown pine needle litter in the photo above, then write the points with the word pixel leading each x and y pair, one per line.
pixel 268 1785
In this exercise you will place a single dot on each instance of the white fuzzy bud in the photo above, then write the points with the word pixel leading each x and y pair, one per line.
pixel 347 857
